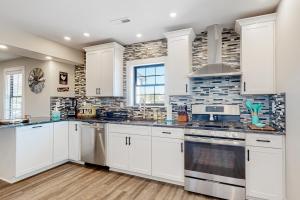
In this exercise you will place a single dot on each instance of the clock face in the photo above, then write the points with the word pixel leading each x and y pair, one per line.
pixel 36 80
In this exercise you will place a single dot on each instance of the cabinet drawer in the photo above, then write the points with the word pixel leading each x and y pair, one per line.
pixel 37 126
pixel 130 129
pixel 168 132
pixel 264 140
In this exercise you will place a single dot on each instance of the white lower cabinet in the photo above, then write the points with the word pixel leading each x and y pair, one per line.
pixel 130 152
pixel 265 167
pixel 34 147
pixel 135 150
pixel 168 158
pixel 118 151
pixel 74 141
pixel 60 141
pixel 140 154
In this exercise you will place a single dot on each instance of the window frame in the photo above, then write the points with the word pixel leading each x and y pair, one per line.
pixel 129 68
pixel 5 72
pixel 146 85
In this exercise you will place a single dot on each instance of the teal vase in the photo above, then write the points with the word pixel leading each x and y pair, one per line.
pixel 255 119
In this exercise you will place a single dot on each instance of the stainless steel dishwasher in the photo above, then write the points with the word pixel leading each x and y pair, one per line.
pixel 93 143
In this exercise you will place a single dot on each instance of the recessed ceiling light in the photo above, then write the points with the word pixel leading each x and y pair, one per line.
pixel 2 46
pixel 48 57
pixel 173 14
pixel 86 35
pixel 139 35
pixel 67 38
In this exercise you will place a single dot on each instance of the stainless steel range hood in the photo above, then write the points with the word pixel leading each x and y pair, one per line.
pixel 215 66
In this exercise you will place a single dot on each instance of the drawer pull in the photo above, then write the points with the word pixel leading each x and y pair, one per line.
pixel 166 132
pixel 248 155
pixel 266 141
pixel 37 126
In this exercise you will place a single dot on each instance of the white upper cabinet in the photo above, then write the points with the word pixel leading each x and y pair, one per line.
pixel 179 61
pixel 104 70
pixel 258 54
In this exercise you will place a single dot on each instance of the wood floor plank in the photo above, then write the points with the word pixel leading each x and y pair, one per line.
pixel 75 182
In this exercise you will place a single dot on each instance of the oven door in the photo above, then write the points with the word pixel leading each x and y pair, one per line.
pixel 215 159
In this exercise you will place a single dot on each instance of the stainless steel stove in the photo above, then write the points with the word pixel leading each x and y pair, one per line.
pixel 214 153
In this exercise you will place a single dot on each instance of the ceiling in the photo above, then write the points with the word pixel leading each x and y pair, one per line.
pixel 7 56
pixel 54 19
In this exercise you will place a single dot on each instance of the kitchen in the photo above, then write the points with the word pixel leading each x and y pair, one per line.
pixel 194 108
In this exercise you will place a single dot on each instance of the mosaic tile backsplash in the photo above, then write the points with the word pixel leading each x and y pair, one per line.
pixel 219 90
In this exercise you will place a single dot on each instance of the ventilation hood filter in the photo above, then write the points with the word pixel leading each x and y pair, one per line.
pixel 215 67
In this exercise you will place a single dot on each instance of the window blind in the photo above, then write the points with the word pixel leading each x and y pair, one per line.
pixel 13 94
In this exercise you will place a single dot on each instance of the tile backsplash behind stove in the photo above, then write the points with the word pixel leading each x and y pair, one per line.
pixel 219 90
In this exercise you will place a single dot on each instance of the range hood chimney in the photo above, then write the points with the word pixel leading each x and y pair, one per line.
pixel 215 66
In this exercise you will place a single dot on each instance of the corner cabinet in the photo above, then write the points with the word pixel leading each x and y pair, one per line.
pixel 258 54
pixel 104 70
pixel 179 61
pixel 265 167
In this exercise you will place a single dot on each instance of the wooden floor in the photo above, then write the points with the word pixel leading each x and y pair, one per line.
pixel 71 181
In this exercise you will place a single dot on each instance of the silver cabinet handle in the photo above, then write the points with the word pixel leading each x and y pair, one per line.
pixel 166 132
pixel 37 126
pixel 181 146
pixel 260 140
pixel 76 127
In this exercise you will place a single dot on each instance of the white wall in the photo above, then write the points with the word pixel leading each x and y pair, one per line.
pixel 288 80
pixel 38 105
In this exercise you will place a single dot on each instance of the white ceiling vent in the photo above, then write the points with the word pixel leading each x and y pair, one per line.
pixel 122 20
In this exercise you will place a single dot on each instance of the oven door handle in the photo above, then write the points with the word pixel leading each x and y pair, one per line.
pixel 227 142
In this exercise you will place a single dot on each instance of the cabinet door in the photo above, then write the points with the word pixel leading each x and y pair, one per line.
pixel 61 141
pixel 106 73
pixel 258 58
pixel 118 151
pixel 176 68
pixel 93 72
pixel 264 173
pixel 140 154
pixel 74 141
pixel 168 158
pixel 34 148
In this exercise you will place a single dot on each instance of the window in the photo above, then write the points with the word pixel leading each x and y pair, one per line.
pixel 149 85
pixel 13 98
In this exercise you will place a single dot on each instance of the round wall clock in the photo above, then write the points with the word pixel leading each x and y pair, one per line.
pixel 36 80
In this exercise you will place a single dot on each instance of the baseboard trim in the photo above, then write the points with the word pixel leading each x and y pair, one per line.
pixel 147 176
